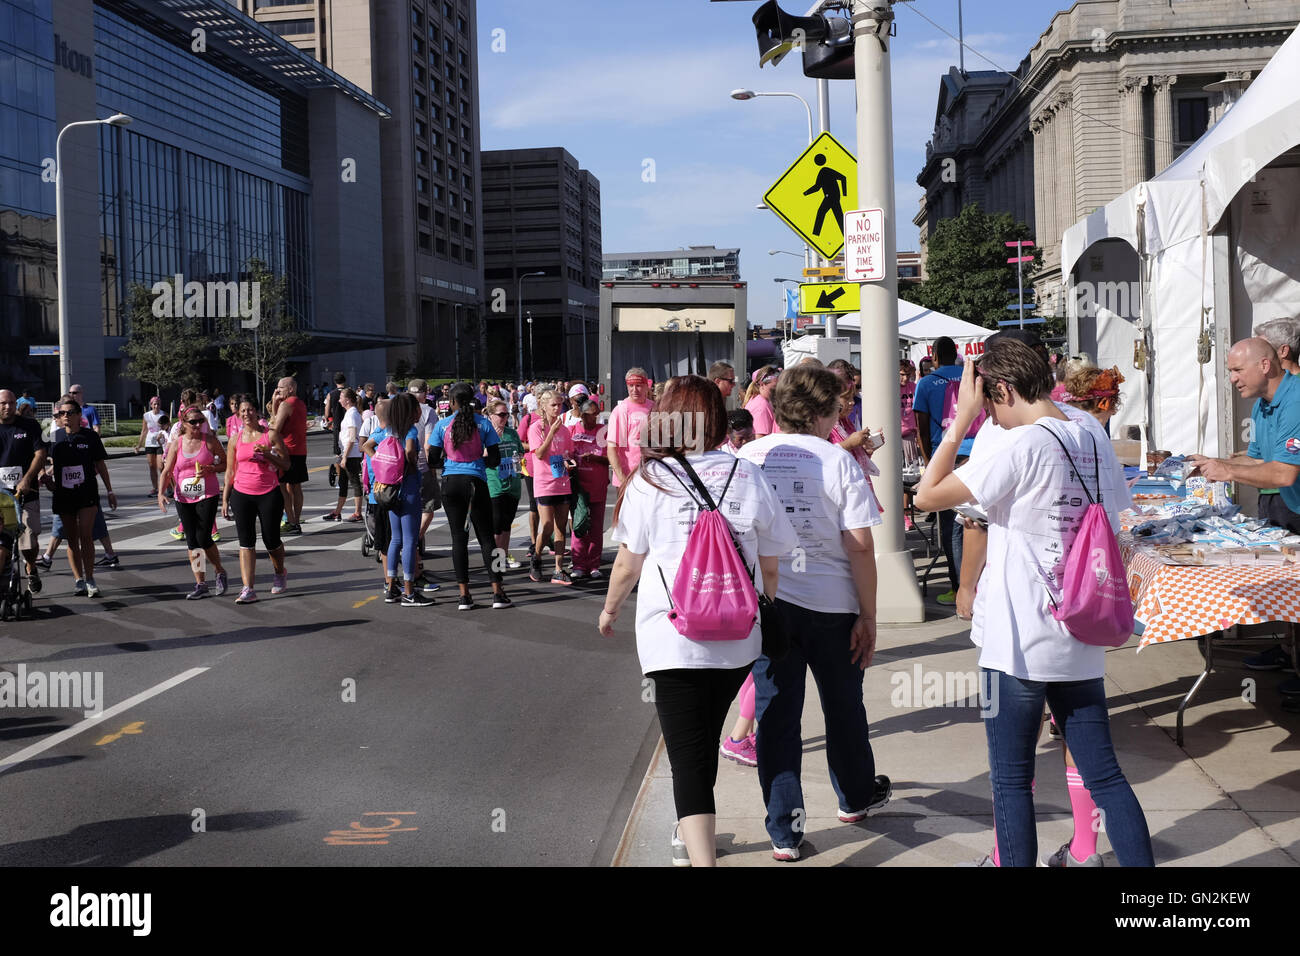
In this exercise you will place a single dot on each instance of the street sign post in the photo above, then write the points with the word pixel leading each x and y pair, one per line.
pixel 821 298
pixel 1019 245
pixel 811 195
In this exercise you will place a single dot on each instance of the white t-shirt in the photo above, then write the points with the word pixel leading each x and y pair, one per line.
pixel 823 492
pixel 369 422
pixel 349 431
pixel 530 403
pixel 1024 482
pixel 152 436
pixel 657 523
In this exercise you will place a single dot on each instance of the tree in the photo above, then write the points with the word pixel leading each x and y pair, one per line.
pixel 967 274
pixel 161 350
pixel 264 349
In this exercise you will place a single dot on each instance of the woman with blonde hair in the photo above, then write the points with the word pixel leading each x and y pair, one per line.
pixel 550 455
pixel 1091 389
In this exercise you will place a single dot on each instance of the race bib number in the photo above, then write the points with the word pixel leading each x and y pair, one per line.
pixel 506 470
pixel 73 476
pixel 10 476
pixel 192 487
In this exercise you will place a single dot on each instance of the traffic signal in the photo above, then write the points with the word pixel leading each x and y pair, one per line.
pixel 826 42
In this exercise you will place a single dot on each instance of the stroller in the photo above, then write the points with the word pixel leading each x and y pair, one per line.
pixel 15 594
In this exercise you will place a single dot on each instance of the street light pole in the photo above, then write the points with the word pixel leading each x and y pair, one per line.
pixel 65 364
pixel 519 320
pixel 898 597
pixel 532 357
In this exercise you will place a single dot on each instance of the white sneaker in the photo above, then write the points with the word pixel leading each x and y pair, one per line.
pixel 680 856
pixel 1064 858
pixel 595 575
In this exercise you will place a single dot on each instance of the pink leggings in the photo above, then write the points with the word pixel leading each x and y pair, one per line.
pixel 746 698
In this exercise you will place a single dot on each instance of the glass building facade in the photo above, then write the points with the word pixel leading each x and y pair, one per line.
pixel 212 173
pixel 28 267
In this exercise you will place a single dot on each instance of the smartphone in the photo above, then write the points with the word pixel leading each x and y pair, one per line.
pixel 875 440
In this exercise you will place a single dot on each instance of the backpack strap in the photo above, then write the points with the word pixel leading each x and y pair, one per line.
pixel 1077 474
pixel 700 487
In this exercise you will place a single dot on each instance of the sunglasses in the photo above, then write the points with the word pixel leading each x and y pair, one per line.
pixel 498 414
pixel 194 421
pixel 62 414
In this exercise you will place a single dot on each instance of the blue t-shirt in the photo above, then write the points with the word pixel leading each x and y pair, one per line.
pixel 477 467
pixel 1277 433
pixel 929 398
pixel 90 415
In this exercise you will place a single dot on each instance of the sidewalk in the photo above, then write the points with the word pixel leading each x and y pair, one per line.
pixel 1230 796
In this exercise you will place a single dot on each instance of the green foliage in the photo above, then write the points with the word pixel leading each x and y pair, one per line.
pixel 967 274
pixel 263 351
pixel 162 351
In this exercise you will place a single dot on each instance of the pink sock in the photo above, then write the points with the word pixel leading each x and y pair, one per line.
pixel 746 698
pixel 1084 843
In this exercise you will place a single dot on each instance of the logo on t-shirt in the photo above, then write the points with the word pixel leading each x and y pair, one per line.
pixel 1293 445
pixel 735 507
pixel 798 487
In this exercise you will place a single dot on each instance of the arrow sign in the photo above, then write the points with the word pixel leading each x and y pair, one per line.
pixel 1019 242
pixel 827 299
pixel 824 297
pixel 1012 261
pixel 1018 322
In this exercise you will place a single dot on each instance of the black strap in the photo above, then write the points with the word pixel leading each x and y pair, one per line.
pixel 1096 461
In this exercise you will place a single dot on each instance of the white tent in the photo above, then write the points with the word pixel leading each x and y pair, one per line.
pixel 921 326
pixel 1206 249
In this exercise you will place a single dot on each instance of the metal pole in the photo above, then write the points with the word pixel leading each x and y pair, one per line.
pixel 532 356
pixel 455 318
pixel 824 123
pixel 961 42
pixel 585 377
pixel 519 324
pixel 1020 282
pixel 898 597
pixel 65 335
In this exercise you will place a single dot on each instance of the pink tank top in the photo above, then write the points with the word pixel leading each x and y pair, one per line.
pixel 189 488
pixel 253 476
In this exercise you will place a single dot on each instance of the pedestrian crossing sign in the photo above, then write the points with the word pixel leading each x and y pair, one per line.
pixel 813 193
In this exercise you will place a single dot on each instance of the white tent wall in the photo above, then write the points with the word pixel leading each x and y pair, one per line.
pixel 1104 305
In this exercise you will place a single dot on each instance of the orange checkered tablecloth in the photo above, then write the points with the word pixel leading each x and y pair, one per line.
pixel 1174 602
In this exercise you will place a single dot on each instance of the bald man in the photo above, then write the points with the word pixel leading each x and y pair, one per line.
pixel 1272 460
pixel 290 423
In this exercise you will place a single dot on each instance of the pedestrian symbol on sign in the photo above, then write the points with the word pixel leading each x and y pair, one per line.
pixel 829 183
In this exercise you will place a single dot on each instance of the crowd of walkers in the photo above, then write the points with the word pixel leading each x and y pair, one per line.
pixel 787 470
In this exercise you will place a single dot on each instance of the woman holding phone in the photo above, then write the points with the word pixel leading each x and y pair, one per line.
pixel 253 494
pixel 549 460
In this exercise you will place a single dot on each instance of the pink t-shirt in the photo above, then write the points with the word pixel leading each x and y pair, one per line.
pixel 764 419
pixel 909 417
pixel 544 480
pixel 253 476
pixel 628 429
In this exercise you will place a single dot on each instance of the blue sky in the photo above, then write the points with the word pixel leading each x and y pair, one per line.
pixel 617 83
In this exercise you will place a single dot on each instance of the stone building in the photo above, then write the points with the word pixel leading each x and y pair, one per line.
pixel 1111 94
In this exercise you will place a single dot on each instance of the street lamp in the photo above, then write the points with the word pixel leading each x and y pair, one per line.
pixel 65 365
pixel 743 95
pixel 519 319
pixel 532 358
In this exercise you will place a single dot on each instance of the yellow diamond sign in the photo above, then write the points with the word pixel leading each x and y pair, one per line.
pixel 813 194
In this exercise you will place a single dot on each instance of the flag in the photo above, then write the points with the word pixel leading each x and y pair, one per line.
pixel 791 303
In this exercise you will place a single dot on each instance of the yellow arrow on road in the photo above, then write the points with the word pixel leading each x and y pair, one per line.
pixel 133 728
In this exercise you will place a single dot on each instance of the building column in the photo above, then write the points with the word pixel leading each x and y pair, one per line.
pixel 1066 192
pixel 1051 159
pixel 1039 129
pixel 1131 151
pixel 1164 121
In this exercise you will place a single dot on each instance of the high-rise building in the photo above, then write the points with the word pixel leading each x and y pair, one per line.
pixel 231 156
pixel 695 262
pixel 419 57
pixel 541 214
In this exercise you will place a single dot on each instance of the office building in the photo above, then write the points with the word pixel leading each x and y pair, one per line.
pixel 420 58
pixel 689 263
pixel 233 154
pixel 541 214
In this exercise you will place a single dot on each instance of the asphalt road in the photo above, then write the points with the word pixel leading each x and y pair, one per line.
pixel 321 726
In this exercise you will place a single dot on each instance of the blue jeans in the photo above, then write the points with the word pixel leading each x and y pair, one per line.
pixel 818 641
pixel 404 525
pixel 1080 711
pixel 950 539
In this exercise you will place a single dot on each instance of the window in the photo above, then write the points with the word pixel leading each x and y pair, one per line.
pixel 448 10
pixel 437 88
pixel 435 61
pixel 440 220
pixel 437 139
pixel 469 256
pixel 455 224
pixel 423 241
pixel 421 130
pixel 455 252
pixel 462 26
pixel 417 46
pixel 466 180
pixel 417 20
pixel 469 207
pixel 422 185
pixel 440 245
pixel 435 113
pixel 421 157
pixel 286 28
pixel 422 211
pixel 462 58
pixel 433 33
pixel 464 155
pixel 453 174
pixel 418 99
pixel 417 72
pixel 1193 118
pixel 464 83
pixel 437 165
pixel 437 191
pixel 464 132
pixel 469 232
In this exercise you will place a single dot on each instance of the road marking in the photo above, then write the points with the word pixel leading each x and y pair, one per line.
pixel 136 727
pixel 358 834
pixel 53 741
pixel 364 601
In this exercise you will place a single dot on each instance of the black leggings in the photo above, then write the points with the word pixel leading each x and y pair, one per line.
pixel 249 509
pixel 692 705
pixel 468 496
pixel 504 509
pixel 196 518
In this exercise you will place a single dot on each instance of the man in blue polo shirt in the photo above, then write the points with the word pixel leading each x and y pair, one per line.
pixel 1272 459
pixel 928 405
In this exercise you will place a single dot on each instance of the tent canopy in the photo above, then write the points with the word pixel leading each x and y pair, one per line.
pixel 919 324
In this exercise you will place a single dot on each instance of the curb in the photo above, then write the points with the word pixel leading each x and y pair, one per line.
pixel 638 805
